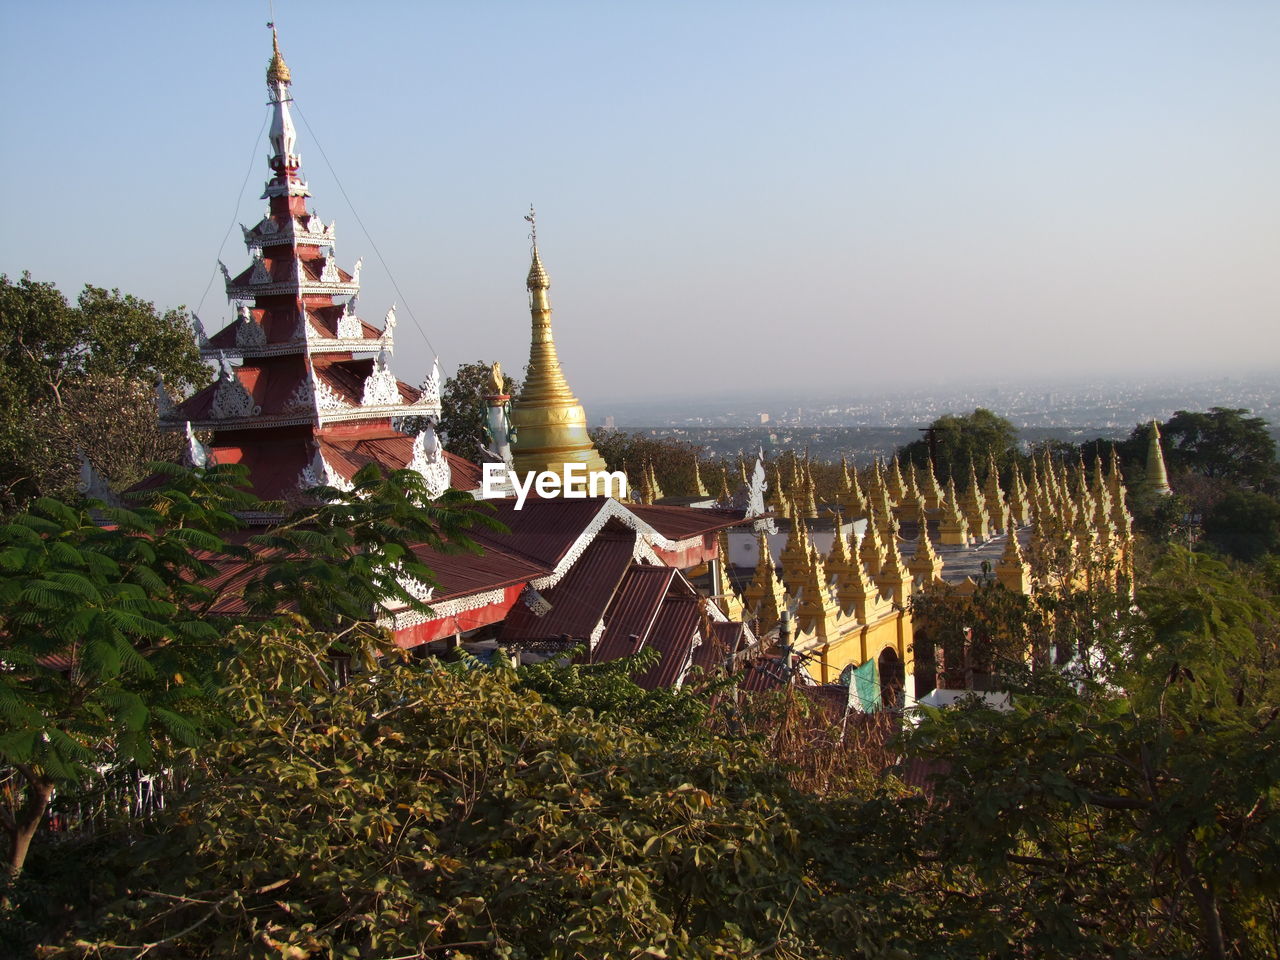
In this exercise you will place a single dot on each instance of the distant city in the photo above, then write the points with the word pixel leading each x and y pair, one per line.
pixel 866 427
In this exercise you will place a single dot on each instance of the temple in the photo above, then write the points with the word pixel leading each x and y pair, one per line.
pixel 304 393
pixel 788 589
pixel 304 397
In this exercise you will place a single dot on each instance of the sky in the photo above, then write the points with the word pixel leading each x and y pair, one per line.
pixel 732 197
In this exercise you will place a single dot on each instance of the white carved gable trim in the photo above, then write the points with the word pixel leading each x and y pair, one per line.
pixel 319 472
pixel 381 387
pixel 430 462
pixel 349 326
pixel 231 401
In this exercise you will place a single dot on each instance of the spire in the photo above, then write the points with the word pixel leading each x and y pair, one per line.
pixel 894 581
pixel 870 551
pixel 277 69
pixel 765 597
pixel 953 528
pixel 551 426
pixel 699 488
pixel 725 596
pixel 1157 480
pixel 925 564
pixel 1012 570
pixel 284 137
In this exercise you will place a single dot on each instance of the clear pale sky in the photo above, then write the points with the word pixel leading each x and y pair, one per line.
pixel 730 194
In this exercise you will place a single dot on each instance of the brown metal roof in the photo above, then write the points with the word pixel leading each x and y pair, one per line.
pixel 726 638
pixel 579 600
pixel 681 523
pixel 672 634
pixel 633 611
pixel 543 530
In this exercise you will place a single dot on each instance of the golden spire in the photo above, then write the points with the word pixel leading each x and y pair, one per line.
pixel 975 508
pixel 699 488
pixel 838 557
pixel 1012 570
pixel 551 426
pixel 765 597
pixel 870 551
pixel 817 608
pixel 1157 480
pixel 655 490
pixel 277 69
pixel 925 564
pixel 726 495
pixel 894 581
pixel 953 528
pixel 726 597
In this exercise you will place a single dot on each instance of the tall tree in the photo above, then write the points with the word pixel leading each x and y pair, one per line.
pixel 955 441
pixel 79 379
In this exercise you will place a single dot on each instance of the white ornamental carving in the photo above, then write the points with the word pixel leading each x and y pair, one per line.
pixel 755 492
pixel 536 602
pixel 430 462
pixel 231 401
pixel 202 338
pixel 320 473
pixel 349 326
pixel 326 397
pixel 249 332
pixel 196 454
pixel 329 272
pixel 389 328
pixel 381 388
pixel 430 388
pixel 355 272
pixel 259 274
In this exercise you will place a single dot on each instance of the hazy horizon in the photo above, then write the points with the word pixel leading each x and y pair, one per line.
pixel 815 197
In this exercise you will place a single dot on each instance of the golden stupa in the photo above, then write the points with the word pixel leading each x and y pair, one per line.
pixel 551 426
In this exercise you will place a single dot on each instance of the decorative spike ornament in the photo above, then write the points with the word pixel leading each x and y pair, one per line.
pixel 870 551
pixel 765 597
pixel 726 597
pixel 975 509
pixel 1012 571
pixel 953 528
pixel 925 564
pixel 895 482
pixel 654 489
pixel 699 488
pixel 817 611
pixel 894 580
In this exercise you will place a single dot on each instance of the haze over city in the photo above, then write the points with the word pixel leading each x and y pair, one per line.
pixel 731 196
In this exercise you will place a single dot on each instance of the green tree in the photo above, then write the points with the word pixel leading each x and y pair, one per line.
pixel 1133 812
pixel 1244 524
pixel 465 414
pixel 109 632
pixel 1222 443
pixel 79 379
pixel 961 439
pixel 672 460
pixel 424 812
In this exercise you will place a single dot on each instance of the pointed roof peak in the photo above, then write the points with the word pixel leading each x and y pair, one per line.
pixel 277 69
pixel 538 278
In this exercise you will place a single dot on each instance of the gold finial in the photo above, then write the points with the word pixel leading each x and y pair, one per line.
pixel 277 69
pixel 538 279
pixel 496 380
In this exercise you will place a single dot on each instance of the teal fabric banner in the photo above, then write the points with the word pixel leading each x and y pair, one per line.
pixel 864 690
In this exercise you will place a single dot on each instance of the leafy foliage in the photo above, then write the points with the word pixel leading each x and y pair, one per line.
pixel 80 379
pixel 959 440
pixel 418 811
pixel 110 633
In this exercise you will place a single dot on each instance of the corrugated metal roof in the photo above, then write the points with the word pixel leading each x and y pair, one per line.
pixel 725 639
pixel 681 523
pixel 634 608
pixel 579 600
pixel 672 634
pixel 543 530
